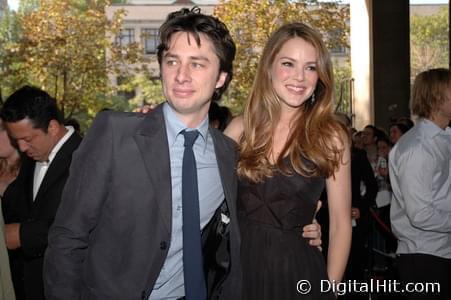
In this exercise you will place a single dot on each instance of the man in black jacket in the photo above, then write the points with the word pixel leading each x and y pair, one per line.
pixel 35 125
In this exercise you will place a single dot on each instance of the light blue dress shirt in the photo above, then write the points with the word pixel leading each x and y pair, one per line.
pixel 170 282
pixel 420 175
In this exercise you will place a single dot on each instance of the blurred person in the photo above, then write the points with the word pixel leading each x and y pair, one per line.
pixel 35 124
pixel 406 121
pixel 140 218
pixel 9 168
pixel 371 134
pixel 420 178
pixel 383 149
pixel 369 139
pixel 396 131
pixel 9 160
pixel 357 140
pixel 386 241
pixel 291 148
pixel 364 190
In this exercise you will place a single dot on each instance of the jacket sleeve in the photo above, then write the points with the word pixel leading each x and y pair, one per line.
pixel 80 207
pixel 33 237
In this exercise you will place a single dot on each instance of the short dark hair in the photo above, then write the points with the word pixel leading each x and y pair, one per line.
pixel 384 139
pixel 378 133
pixel 222 114
pixel 401 126
pixel 194 22
pixel 406 121
pixel 74 123
pixel 31 103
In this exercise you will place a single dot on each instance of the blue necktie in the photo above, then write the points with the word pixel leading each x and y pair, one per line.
pixel 195 288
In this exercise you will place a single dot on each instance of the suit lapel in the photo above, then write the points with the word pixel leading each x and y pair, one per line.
pixel 152 142
pixel 226 165
pixel 27 173
pixel 59 165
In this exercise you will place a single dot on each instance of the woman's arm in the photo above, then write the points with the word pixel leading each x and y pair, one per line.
pixel 340 229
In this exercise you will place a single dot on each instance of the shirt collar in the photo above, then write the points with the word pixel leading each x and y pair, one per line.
pixel 174 126
pixel 70 131
pixel 54 151
pixel 431 129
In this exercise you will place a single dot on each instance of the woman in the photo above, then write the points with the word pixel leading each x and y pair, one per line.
pixel 9 168
pixel 9 160
pixel 290 148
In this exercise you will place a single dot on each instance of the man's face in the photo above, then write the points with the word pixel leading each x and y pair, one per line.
pixel 190 74
pixel 383 149
pixel 368 136
pixel 395 134
pixel 445 109
pixel 36 143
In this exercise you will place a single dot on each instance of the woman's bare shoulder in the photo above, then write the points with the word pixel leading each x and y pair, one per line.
pixel 235 128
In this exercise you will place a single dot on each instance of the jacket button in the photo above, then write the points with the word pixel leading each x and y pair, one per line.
pixel 163 245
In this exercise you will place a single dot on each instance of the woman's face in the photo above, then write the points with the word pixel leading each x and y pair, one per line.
pixel 6 149
pixel 294 73
pixel 383 149
pixel 395 134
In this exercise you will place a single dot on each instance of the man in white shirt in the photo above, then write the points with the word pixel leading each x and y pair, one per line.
pixel 36 127
pixel 420 167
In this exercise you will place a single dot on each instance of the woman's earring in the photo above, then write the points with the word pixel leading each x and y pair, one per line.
pixel 312 98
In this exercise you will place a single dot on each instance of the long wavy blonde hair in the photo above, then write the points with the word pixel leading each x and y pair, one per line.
pixel 312 143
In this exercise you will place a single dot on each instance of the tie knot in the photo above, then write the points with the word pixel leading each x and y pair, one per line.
pixel 190 137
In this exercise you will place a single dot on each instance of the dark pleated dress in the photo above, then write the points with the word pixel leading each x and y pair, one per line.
pixel 275 256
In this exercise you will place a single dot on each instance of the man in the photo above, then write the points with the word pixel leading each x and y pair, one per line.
pixel 118 233
pixel 420 166
pixel 369 138
pixel 35 125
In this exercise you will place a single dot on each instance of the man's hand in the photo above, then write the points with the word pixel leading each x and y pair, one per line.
pixel 12 236
pixel 313 231
pixel 145 109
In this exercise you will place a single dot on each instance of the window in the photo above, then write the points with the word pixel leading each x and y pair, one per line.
pixel 126 37
pixel 123 92
pixel 150 40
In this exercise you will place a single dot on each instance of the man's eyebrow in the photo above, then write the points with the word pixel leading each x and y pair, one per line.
pixel 201 57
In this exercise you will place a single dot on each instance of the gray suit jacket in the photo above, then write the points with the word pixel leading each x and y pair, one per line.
pixel 112 231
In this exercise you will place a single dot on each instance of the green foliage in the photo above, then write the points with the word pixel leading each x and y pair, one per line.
pixel 252 21
pixel 429 41
pixel 64 47
pixel 12 74
pixel 27 6
pixel 149 90
pixel 343 81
